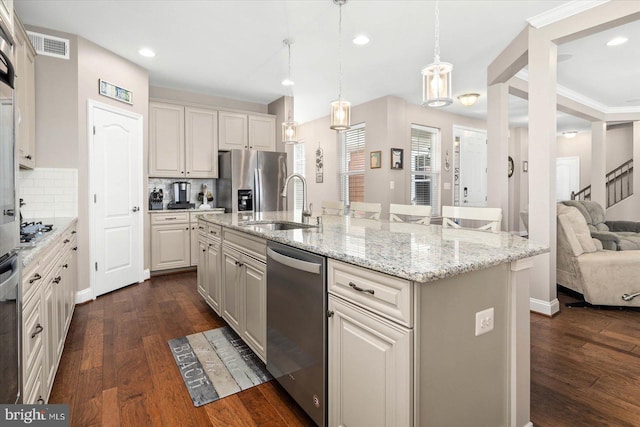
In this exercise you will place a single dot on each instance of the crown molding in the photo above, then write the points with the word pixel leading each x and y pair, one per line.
pixel 563 11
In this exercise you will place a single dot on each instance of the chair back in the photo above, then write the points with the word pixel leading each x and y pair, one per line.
pixel 491 216
pixel 365 210
pixel 419 214
pixel 332 207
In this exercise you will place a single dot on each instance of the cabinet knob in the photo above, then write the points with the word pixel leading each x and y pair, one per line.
pixel 75 248
pixel 40 401
pixel 135 209
pixel 57 280
pixel 330 313
pixel 28 157
pixel 65 266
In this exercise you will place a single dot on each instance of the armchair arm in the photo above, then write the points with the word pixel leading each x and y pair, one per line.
pixel 609 240
pixel 607 276
pixel 632 226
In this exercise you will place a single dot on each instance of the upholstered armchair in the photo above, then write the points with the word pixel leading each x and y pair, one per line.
pixel 614 235
pixel 602 277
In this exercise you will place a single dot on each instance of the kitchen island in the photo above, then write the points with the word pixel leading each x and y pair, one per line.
pixel 427 326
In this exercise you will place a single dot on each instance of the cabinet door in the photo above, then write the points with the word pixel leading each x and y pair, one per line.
pixel 25 98
pixel 195 245
pixel 166 140
pixel 202 275
pixel 59 300
pixel 71 284
pixel 214 260
pixel 201 139
pixel 370 368
pixel 50 332
pixel 7 14
pixel 255 299
pixel 262 133
pixel 232 288
pixel 233 131
pixel 170 246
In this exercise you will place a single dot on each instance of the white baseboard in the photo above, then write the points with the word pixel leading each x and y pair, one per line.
pixel 548 308
pixel 84 296
pixel 529 424
pixel 146 274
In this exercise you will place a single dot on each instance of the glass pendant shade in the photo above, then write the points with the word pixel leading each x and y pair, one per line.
pixel 436 85
pixel 468 99
pixel 340 115
pixel 290 132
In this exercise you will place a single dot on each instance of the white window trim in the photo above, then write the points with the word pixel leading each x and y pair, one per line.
pixel 433 170
pixel 344 173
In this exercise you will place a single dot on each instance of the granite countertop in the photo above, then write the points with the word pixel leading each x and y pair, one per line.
pixel 60 225
pixel 416 252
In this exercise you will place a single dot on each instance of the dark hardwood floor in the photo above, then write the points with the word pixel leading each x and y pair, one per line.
pixel 585 367
pixel 117 369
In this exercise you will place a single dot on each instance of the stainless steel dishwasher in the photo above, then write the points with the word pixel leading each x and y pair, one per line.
pixel 296 326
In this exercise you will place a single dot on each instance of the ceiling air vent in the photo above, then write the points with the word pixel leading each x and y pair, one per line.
pixel 45 44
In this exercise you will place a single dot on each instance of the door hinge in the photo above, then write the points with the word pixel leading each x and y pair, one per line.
pixel 96 266
pixel 95 198
pixel 94 130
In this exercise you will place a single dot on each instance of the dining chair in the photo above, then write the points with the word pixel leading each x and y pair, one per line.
pixel 365 210
pixel 418 214
pixel 332 207
pixel 490 216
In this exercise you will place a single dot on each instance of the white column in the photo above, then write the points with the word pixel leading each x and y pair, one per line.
pixel 498 149
pixel 636 156
pixel 542 169
pixel 599 163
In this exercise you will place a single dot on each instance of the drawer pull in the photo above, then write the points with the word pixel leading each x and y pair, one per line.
pixel 57 280
pixel 35 278
pixel 359 289
pixel 66 241
pixel 40 401
pixel 201 228
pixel 239 264
pixel 169 219
pixel 74 232
pixel 213 232
pixel 65 266
pixel 38 329
pixel 75 248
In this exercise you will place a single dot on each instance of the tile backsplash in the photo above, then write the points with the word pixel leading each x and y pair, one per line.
pixel 196 187
pixel 48 193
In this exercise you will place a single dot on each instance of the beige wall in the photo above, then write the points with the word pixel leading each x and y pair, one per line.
pixel 57 106
pixel 388 123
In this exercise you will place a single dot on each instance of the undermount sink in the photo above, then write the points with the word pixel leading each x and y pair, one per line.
pixel 279 225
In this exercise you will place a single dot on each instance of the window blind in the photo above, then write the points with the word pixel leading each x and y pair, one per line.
pixel 352 165
pixel 298 167
pixel 425 176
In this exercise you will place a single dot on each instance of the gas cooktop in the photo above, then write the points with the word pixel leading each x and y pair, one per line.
pixel 32 232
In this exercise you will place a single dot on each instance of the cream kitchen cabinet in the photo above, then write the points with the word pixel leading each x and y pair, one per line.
pixel 7 14
pixel 170 240
pixel 247 131
pixel 49 284
pixel 210 264
pixel 244 288
pixel 370 369
pixel 25 95
pixel 183 141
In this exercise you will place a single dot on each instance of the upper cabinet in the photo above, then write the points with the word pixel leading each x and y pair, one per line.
pixel 25 56
pixel 7 14
pixel 183 141
pixel 247 131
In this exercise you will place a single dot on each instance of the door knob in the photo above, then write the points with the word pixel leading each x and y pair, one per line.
pixel 135 209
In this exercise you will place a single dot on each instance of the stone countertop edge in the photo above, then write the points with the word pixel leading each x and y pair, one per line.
pixel 61 225
pixel 419 253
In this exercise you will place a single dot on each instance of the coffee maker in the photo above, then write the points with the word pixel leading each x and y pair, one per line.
pixel 181 191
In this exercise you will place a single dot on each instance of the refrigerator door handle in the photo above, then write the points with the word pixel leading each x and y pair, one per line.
pixel 257 186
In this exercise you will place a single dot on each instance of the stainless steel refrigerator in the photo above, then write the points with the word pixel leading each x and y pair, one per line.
pixel 251 181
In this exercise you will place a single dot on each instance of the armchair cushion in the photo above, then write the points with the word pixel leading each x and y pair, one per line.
pixel 578 234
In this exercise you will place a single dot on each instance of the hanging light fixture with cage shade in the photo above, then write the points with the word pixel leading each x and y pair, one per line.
pixel 340 109
pixel 289 127
pixel 436 77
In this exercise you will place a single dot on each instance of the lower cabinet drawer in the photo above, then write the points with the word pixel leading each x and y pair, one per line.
pixel 387 296
pixel 33 333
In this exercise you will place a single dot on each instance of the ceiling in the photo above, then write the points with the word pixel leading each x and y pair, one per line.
pixel 234 48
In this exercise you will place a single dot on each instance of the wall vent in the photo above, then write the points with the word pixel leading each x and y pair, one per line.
pixel 45 44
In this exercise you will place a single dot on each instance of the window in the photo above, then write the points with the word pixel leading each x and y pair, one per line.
pixel 298 167
pixel 425 174
pixel 352 164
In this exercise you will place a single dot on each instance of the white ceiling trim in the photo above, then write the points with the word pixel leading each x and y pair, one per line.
pixel 563 11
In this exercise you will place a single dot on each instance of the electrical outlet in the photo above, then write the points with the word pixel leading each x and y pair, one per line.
pixel 484 321
pixel 392 185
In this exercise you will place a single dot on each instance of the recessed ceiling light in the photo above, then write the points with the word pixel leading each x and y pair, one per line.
pixel 361 40
pixel 617 41
pixel 147 52
pixel 287 82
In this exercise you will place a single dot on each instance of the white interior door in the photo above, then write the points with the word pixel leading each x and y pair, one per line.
pixel 567 177
pixel 116 171
pixel 473 168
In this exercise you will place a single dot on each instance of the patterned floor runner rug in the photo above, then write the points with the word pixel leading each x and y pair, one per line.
pixel 215 364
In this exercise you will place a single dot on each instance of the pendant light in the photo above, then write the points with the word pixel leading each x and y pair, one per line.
pixel 289 127
pixel 340 109
pixel 436 77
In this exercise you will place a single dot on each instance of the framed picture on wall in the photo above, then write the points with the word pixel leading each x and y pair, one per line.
pixel 397 155
pixel 375 160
